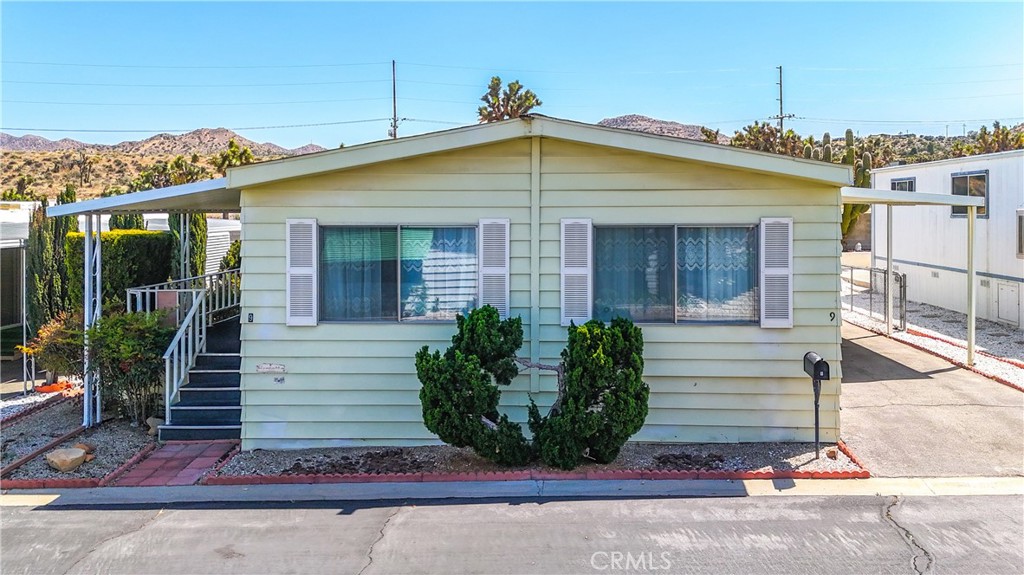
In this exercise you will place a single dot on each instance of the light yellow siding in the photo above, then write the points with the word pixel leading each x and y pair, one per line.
pixel 352 383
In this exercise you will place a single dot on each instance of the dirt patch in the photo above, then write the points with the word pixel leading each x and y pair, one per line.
pixel 446 459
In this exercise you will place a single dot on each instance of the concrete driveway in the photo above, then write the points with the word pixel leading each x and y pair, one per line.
pixel 907 413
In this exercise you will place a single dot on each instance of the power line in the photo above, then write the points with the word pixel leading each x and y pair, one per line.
pixel 139 131
pixel 206 85
pixel 167 67
pixel 189 104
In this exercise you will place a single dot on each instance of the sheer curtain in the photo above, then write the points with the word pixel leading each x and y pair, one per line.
pixel 717 274
pixel 439 272
pixel 633 273
pixel 358 273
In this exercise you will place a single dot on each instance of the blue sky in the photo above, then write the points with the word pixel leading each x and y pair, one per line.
pixel 147 67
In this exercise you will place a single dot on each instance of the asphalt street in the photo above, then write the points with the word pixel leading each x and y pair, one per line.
pixel 793 534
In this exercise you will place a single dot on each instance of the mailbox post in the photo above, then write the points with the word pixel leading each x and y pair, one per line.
pixel 817 368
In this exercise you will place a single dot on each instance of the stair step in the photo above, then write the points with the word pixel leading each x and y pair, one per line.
pixel 210 396
pixel 206 415
pixel 199 432
pixel 205 378
pixel 231 361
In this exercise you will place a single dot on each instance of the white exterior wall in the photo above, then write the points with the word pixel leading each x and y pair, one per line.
pixel 930 245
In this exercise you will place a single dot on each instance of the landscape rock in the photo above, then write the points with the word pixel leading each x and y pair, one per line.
pixel 86 447
pixel 67 459
pixel 89 457
pixel 832 453
pixel 154 423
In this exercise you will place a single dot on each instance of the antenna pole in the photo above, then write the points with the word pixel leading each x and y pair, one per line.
pixel 782 116
pixel 394 103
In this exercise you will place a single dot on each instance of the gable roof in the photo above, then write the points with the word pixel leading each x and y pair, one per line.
pixel 223 194
pixel 542 126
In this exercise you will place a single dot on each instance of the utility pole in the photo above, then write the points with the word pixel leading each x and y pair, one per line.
pixel 782 116
pixel 394 104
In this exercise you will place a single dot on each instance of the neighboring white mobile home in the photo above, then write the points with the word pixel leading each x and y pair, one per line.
pixel 930 241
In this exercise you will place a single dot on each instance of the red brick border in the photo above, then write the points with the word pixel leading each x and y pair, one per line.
pixel 44 404
pixel 994 378
pixel 132 462
pixel 227 457
pixel 25 459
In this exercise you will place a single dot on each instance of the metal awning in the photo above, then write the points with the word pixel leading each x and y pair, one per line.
pixel 890 198
pixel 199 197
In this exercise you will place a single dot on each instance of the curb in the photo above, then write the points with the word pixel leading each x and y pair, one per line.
pixel 1008 360
pixel 46 403
pixel 25 459
pixel 957 363
pixel 224 460
pixel 77 483
pixel 132 462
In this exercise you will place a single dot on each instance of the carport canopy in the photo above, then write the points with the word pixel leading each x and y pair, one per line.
pixel 890 198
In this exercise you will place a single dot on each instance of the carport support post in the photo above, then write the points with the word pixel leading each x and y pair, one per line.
pixel 888 270
pixel 972 212
pixel 91 311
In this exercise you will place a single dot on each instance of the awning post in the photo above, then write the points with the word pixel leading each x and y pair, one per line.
pixel 888 270
pixel 91 312
pixel 972 212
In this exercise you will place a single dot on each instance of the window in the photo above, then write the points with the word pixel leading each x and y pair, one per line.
pixel 676 274
pixel 1020 233
pixel 974 184
pixel 391 273
pixel 903 185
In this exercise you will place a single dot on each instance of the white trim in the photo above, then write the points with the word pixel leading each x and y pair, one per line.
pixel 893 198
pixel 960 160
pixel 531 126
pixel 128 202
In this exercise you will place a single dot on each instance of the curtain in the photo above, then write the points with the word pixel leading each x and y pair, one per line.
pixel 439 272
pixel 633 273
pixel 717 274
pixel 358 273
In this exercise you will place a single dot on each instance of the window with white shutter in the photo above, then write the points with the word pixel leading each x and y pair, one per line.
pixel 776 272
pixel 301 286
pixel 494 264
pixel 577 256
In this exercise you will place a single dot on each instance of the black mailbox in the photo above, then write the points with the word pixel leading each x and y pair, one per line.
pixel 815 367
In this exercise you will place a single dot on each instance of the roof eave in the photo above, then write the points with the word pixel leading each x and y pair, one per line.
pixel 132 202
pixel 894 198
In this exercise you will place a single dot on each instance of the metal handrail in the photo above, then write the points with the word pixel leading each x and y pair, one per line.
pixel 180 356
pixel 221 288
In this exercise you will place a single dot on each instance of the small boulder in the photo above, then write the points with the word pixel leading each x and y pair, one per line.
pixel 154 423
pixel 86 447
pixel 89 457
pixel 832 453
pixel 67 459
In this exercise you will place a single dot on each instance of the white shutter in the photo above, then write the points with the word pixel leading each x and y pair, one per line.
pixel 577 250
pixel 493 282
pixel 301 285
pixel 776 272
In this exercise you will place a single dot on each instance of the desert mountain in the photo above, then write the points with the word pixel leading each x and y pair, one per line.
pixel 640 123
pixel 204 141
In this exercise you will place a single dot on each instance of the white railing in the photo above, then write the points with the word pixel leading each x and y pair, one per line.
pixel 221 290
pixel 197 303
pixel 181 354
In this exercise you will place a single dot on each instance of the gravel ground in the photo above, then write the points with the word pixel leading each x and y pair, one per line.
pixel 116 442
pixel 10 407
pixel 34 431
pixel 994 338
pixel 444 459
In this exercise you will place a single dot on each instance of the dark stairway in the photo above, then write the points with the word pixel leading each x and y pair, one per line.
pixel 210 404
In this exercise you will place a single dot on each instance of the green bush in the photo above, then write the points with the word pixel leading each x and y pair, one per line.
pixel 131 258
pixel 460 395
pixel 605 399
pixel 602 398
pixel 232 260
pixel 127 351
pixel 59 347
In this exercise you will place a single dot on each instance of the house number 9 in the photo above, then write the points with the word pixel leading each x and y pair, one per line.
pixel 831 316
